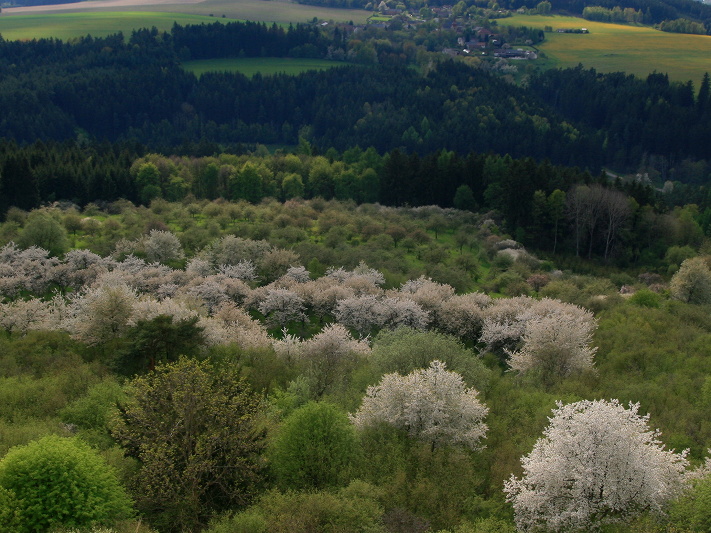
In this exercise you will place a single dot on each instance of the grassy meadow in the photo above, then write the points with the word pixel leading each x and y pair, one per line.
pixel 77 20
pixel 636 50
pixel 66 26
pixel 249 66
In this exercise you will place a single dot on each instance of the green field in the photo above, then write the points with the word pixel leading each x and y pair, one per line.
pixel 637 50
pixel 99 24
pixel 80 19
pixel 249 66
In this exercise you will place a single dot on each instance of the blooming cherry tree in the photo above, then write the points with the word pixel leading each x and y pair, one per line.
pixel 598 462
pixel 431 404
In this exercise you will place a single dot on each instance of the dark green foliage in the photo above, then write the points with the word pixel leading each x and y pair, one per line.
pixel 192 428
pixel 159 340
pixel 60 482
pixel 315 448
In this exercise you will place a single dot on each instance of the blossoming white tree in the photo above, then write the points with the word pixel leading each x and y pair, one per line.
pixel 692 283
pixel 598 462
pixel 431 404
pixel 557 346
pixel 163 246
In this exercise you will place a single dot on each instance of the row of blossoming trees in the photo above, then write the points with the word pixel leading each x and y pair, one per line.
pixel 597 462
pixel 98 298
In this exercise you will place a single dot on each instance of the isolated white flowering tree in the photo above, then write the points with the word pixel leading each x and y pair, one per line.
pixel 692 282
pixel 597 463
pixel 432 405
pixel 163 246
pixel 530 329
pixel 556 346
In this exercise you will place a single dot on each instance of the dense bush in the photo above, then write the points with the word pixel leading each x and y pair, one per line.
pixel 60 482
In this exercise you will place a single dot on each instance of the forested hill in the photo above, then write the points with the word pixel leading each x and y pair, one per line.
pixel 135 90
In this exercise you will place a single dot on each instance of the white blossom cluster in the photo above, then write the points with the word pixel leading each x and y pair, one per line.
pixel 598 462
pixel 105 296
pixel 431 404
pixel 547 334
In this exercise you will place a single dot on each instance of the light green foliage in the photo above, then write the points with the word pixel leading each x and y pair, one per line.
pixel 44 231
pixel 486 525
pixel 646 298
pixel 315 448
pixel 353 509
pixel 692 510
pixel 10 518
pixel 71 485
pixel 92 411
pixel 192 427
pixel 659 357
pixel 405 349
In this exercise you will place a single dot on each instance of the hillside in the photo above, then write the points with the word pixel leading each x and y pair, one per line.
pixel 266 290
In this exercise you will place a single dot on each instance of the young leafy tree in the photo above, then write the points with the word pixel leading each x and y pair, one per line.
pixel 191 427
pixel 59 482
pixel 432 405
pixel 598 462
pixel 315 448
pixel 44 231
pixel 405 350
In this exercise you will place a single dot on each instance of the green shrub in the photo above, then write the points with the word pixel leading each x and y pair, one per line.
pixel 646 298
pixel 315 448
pixel 353 509
pixel 61 482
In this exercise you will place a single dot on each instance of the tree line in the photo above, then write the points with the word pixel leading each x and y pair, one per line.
pixel 136 91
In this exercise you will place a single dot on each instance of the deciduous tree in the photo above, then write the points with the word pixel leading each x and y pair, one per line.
pixel 598 462
pixel 192 429
pixel 692 282
pixel 431 404
pixel 315 448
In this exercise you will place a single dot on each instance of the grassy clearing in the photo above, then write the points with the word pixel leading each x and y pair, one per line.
pixel 99 24
pixel 637 50
pixel 249 66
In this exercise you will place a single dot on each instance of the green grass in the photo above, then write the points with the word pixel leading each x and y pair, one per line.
pixel 249 66
pixel 99 24
pixel 637 50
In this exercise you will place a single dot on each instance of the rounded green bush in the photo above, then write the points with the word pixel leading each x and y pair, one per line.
pixel 61 482
pixel 315 448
